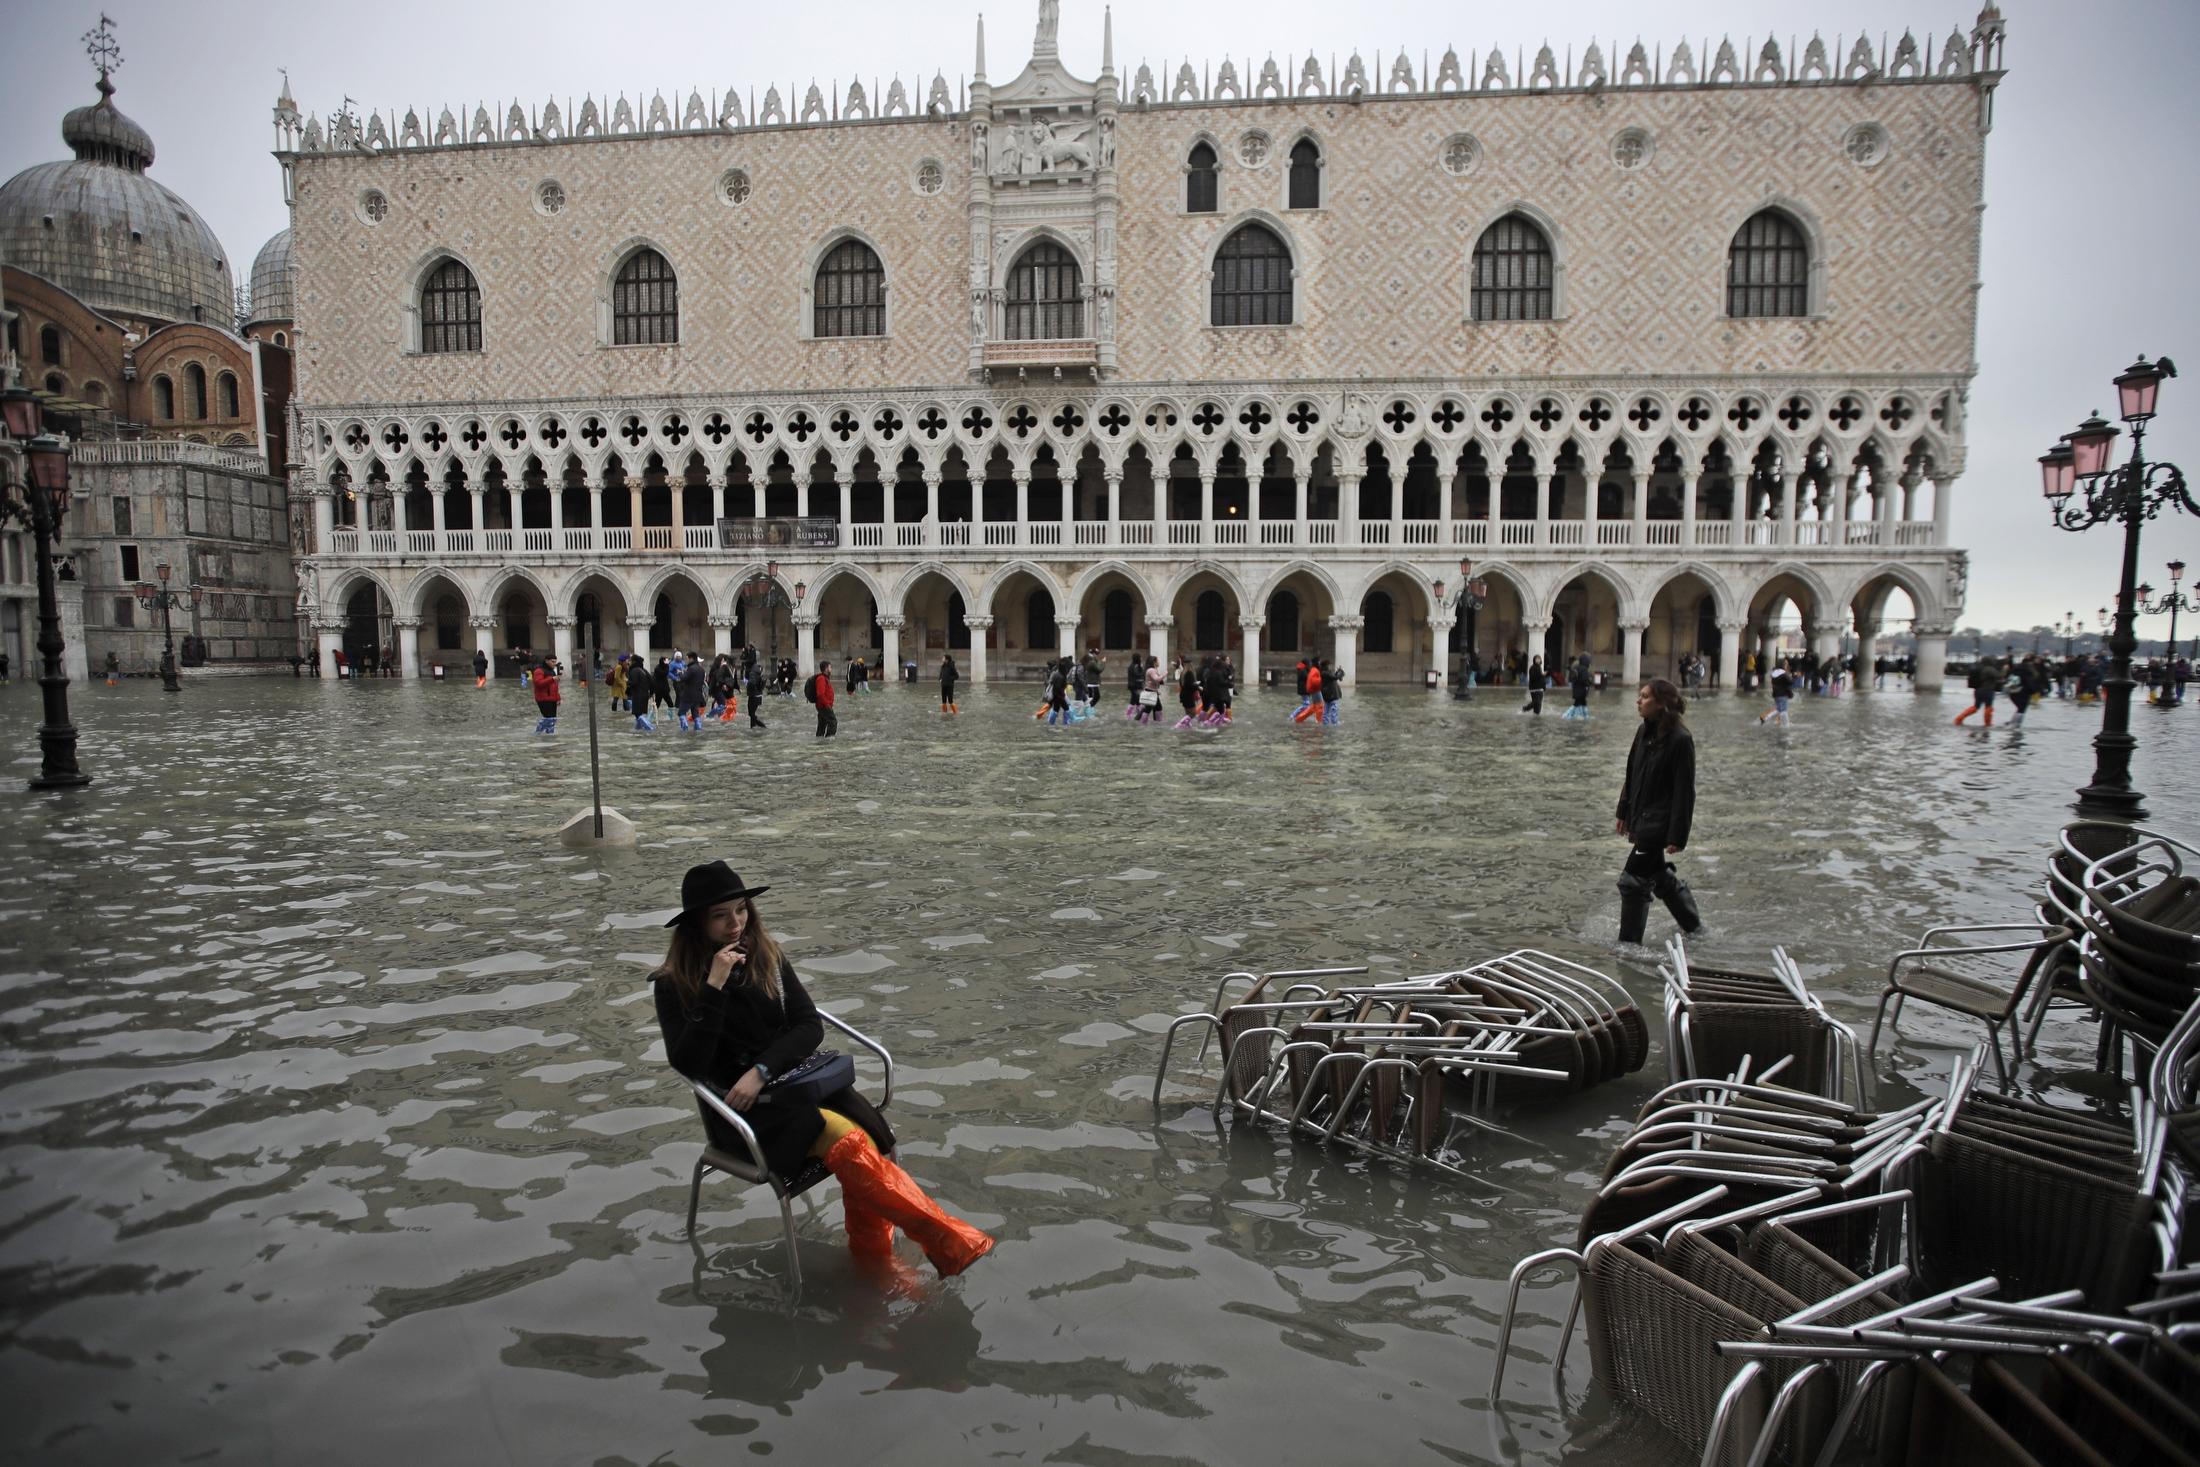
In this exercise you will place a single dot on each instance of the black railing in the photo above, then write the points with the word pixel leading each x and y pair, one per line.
pixel 779 532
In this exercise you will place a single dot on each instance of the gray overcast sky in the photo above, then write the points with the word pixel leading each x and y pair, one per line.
pixel 2090 171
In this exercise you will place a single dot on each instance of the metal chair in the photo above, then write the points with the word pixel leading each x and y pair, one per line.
pixel 751 1168
pixel 1948 975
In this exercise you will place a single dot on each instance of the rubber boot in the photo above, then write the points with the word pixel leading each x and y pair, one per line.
pixel 1678 899
pixel 1989 715
pixel 878 1187
pixel 1634 907
pixel 870 1235
pixel 1966 713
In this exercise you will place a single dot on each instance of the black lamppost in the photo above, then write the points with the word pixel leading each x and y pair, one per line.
pixel 2134 494
pixel 2175 601
pixel 41 500
pixel 151 596
pixel 1473 592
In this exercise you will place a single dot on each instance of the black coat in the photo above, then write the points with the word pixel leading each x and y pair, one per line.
pixel 1658 798
pixel 731 1029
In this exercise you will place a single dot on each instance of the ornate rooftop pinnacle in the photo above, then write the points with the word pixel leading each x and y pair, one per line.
pixel 1044 44
pixel 106 52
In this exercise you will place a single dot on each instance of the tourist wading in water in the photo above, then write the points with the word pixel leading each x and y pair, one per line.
pixel 734 1016
pixel 1657 804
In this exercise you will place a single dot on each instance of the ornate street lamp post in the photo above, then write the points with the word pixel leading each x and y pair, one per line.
pixel 1473 592
pixel 2133 494
pixel 41 500
pixel 152 597
pixel 2173 602
pixel 768 594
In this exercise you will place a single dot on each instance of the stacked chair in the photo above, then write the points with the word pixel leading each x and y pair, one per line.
pixel 1401 1068
pixel 1772 1275
pixel 1718 1018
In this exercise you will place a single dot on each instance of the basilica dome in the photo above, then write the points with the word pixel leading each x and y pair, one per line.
pixel 271 281
pixel 100 229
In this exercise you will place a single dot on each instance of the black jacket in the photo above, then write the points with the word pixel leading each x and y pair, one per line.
pixel 732 1028
pixel 1658 797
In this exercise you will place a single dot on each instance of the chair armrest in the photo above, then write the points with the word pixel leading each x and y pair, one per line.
pixel 735 1119
pixel 2045 929
pixel 868 1043
pixel 2055 933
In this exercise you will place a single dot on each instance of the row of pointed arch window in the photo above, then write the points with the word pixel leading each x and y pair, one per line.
pixel 1513 278
pixel 1202 170
pixel 194 395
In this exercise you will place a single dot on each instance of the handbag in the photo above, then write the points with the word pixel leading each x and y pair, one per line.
pixel 823 1073
pixel 1149 698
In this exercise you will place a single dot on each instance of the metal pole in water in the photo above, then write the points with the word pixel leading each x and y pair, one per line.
pixel 595 763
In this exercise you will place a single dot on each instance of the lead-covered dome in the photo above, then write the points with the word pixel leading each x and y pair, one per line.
pixel 102 230
pixel 272 292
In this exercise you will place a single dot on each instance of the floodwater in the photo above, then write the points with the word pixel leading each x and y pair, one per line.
pixel 334 1126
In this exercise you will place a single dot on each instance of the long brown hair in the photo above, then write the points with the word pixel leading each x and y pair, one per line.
pixel 1667 706
pixel 688 956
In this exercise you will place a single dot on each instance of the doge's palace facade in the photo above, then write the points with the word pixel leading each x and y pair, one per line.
pixel 1660 343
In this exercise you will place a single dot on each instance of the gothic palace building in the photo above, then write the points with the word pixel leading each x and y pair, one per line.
pixel 1661 343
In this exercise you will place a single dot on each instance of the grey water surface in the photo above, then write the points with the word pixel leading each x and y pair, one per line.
pixel 334 1124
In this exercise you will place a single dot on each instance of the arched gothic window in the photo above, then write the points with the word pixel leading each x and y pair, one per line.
pixel 1199 180
pixel 1283 621
pixel 1768 267
pixel 1306 175
pixel 49 346
pixel 450 310
pixel 225 387
pixel 645 302
pixel 851 292
pixel 1512 272
pixel 164 399
pixel 1045 295
pixel 1207 615
pixel 194 387
pixel 1115 619
pixel 1252 285
pixel 1378 614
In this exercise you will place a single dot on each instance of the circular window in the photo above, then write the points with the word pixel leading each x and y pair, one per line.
pixel 733 187
pixel 931 178
pixel 1253 149
pixel 1631 148
pixel 1866 144
pixel 1461 155
pixel 549 196
pixel 374 206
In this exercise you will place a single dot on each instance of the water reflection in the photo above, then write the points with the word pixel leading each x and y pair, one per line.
pixel 332 1109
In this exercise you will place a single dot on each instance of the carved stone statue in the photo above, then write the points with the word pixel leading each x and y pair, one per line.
pixel 1048 150
pixel 1050 19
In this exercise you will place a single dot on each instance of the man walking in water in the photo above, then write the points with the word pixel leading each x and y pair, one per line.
pixel 821 693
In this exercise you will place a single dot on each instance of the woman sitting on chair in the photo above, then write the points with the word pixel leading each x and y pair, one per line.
pixel 734 1015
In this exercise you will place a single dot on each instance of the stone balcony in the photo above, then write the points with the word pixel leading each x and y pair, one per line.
pixel 732 539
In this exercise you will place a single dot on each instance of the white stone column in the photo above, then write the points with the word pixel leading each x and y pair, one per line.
pixel 1068 490
pixel 805 643
pixel 1825 639
pixel 1115 507
pixel 637 638
pixel 1640 534
pixel 931 504
pixel 979 626
pixel 1065 636
pixel 1250 669
pixel 1022 476
pixel 1932 649
pixel 634 509
pixel 406 634
pixel 1493 507
pixel 437 518
pixel 1941 496
pixel 1157 638
pixel 324 519
pixel 1543 508
pixel 801 507
pixel 329 635
pixel 1301 486
pixel 555 493
pixel 846 484
pixel 480 500
pixel 1206 505
pixel 1348 507
pixel 890 654
pixel 1439 652
pixel 1788 481
pixel 595 513
pixel 1691 477
pixel 1737 508
pixel 1630 653
pixel 398 522
pixel 485 640
pixel 1867 652
pixel 1730 654
pixel 1891 502
pixel 721 635
pixel 1592 490
pixel 1535 632
pixel 1347 630
pixel 1398 509
pixel 561 641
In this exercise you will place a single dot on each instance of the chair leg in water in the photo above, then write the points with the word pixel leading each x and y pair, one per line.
pixel 881 1188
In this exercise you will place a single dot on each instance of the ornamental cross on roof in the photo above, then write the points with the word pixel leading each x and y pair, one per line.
pixel 100 44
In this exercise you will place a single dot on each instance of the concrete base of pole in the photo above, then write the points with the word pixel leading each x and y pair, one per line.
pixel 580 831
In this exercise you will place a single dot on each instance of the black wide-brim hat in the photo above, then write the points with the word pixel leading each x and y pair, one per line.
pixel 706 886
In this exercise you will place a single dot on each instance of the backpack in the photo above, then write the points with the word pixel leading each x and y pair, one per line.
pixel 809 690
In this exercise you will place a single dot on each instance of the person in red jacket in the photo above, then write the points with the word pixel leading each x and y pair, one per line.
pixel 544 685
pixel 821 693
